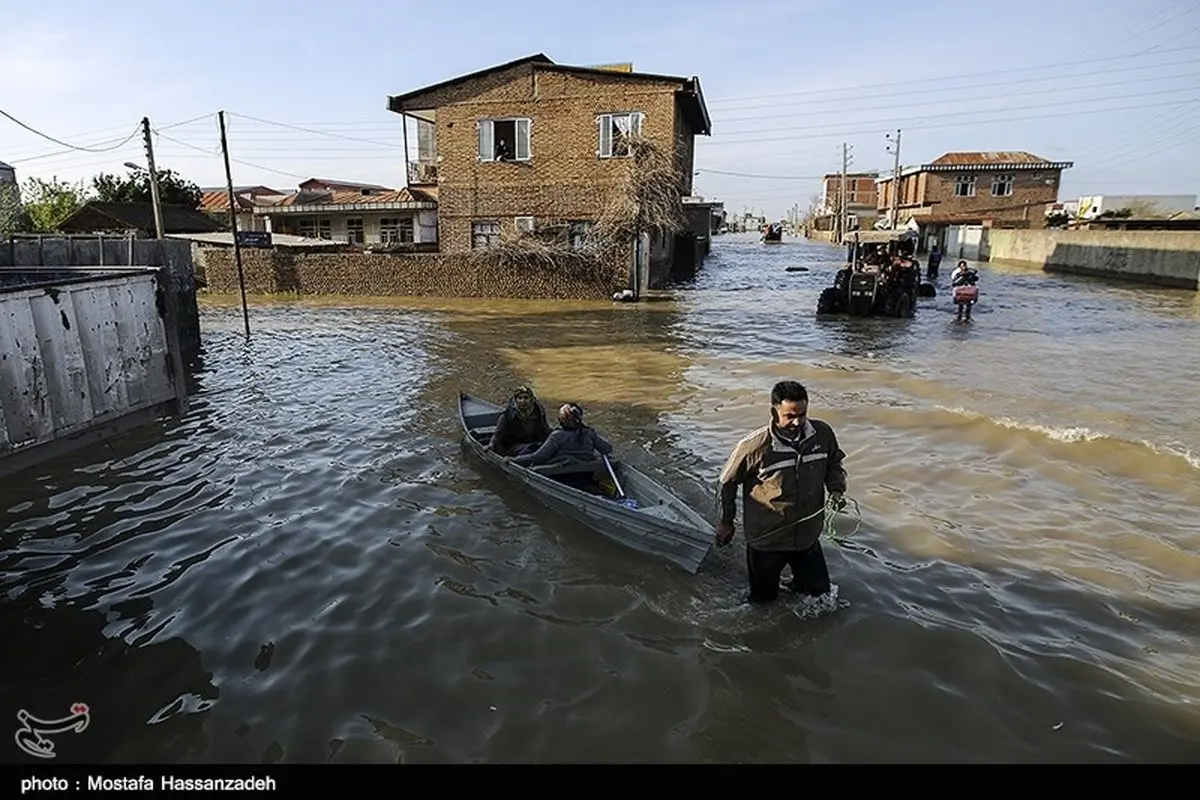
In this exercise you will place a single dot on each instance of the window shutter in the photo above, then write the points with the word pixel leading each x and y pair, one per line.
pixel 605 136
pixel 522 139
pixel 487 151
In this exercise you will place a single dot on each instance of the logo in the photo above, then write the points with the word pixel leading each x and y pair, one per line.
pixel 31 736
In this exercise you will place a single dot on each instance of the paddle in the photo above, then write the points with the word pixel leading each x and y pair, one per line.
pixel 622 498
pixel 612 474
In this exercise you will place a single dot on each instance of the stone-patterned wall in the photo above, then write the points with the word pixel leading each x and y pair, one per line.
pixel 365 274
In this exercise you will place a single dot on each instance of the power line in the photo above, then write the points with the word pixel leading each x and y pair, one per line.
pixel 992 73
pixel 67 145
pixel 1003 120
pixel 764 177
pixel 952 114
pixel 934 101
pixel 310 130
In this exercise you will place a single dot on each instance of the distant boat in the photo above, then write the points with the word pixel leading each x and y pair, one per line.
pixel 773 234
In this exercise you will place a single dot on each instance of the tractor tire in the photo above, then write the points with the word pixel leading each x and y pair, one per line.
pixel 830 301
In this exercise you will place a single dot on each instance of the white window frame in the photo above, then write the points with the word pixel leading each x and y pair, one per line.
pixel 1001 181
pixel 486 137
pixel 964 180
pixel 476 232
pixel 604 125
pixel 525 224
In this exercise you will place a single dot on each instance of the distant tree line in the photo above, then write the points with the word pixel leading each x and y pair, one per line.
pixel 42 205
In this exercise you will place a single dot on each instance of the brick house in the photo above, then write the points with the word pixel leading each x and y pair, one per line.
pixel 860 199
pixel 354 213
pixel 954 197
pixel 532 142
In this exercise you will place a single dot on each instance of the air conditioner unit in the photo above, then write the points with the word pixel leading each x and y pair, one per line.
pixel 525 225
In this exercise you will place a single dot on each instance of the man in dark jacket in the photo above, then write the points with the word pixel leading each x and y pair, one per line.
pixel 783 470
pixel 522 427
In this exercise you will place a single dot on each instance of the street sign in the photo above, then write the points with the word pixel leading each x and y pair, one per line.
pixel 254 238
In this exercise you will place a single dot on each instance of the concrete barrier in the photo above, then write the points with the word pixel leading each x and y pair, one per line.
pixel 1160 258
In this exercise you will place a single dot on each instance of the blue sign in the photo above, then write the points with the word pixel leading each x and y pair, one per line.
pixel 254 238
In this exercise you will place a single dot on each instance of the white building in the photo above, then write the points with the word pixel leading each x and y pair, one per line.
pixel 1141 205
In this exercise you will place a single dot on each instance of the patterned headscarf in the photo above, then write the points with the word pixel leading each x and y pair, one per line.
pixel 570 416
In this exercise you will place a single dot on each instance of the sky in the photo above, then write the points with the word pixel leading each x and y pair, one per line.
pixel 1112 87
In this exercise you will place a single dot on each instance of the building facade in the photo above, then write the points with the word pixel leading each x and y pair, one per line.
pixel 530 143
pixel 959 193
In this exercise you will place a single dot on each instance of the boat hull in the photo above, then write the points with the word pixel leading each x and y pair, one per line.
pixel 662 525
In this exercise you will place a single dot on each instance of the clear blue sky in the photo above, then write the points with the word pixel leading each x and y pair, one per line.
pixel 1114 87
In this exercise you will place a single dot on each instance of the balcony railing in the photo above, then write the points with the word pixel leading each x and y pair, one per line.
pixel 422 173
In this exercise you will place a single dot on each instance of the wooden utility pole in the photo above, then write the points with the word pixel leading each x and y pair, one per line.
pixel 154 198
pixel 237 250
pixel 895 181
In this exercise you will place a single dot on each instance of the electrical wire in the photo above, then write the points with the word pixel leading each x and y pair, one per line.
pixel 68 145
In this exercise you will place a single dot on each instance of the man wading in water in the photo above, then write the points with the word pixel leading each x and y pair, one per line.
pixel 783 469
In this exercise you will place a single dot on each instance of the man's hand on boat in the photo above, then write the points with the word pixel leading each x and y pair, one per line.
pixel 724 533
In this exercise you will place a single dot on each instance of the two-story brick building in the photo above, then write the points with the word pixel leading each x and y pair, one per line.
pixel 955 196
pixel 533 142
pixel 860 200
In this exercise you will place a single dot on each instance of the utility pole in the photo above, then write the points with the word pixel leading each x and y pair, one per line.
pixel 154 199
pixel 895 179
pixel 842 205
pixel 237 250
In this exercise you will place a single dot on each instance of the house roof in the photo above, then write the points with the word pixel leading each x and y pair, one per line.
pixel 690 96
pixel 349 200
pixel 397 102
pixel 1002 159
pixel 140 216
pixel 251 190
pixel 213 201
pixel 5 166
pixel 349 184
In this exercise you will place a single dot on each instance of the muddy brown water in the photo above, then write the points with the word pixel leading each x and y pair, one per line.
pixel 308 567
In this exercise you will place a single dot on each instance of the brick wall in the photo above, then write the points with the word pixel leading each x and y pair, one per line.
pixel 565 179
pixel 935 190
pixel 366 274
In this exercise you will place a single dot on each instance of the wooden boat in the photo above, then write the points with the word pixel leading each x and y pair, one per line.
pixel 635 511
pixel 773 234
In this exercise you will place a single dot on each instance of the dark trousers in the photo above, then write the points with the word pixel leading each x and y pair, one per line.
pixel 810 575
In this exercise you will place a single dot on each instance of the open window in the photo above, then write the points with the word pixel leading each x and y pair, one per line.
pixel 504 139
pixel 615 130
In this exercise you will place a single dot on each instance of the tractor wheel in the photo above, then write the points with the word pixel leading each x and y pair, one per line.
pixel 829 302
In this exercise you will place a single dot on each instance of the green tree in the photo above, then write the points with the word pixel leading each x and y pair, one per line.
pixel 48 203
pixel 135 188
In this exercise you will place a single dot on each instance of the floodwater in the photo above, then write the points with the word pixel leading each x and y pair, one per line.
pixel 308 567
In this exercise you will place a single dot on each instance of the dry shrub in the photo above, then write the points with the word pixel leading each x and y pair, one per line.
pixel 647 200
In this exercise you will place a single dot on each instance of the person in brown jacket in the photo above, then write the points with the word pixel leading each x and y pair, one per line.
pixel 783 470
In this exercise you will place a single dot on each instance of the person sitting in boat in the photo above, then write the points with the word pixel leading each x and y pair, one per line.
pixel 522 427
pixel 570 441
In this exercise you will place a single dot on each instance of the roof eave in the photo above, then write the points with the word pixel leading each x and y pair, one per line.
pixel 409 101
pixel 339 208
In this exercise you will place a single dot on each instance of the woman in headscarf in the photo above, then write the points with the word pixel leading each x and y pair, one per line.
pixel 570 441
pixel 522 427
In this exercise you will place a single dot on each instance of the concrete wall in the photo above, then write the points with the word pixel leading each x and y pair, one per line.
pixel 366 274
pixel 1163 258
pixel 175 257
